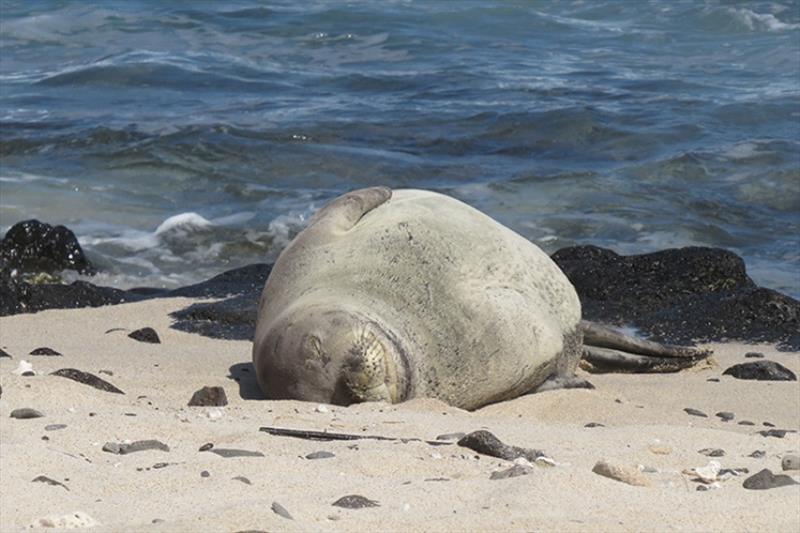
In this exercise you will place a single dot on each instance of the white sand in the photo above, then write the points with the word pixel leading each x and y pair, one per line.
pixel 124 492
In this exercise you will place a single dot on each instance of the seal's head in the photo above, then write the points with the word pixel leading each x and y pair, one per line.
pixel 330 354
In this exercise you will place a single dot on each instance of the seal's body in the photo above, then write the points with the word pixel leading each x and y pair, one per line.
pixel 394 295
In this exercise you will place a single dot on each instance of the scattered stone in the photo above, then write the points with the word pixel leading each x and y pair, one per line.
pixel 754 355
pixel 727 473
pixel 75 520
pixel 706 474
pixel 710 486
pixel 107 372
pixel 145 335
pixel 138 446
pixel 758 454
pixel 436 479
pixel 713 380
pixel 25 413
pixel 28 374
pixel 209 396
pixel 768 424
pixel 746 423
pixel 4 353
pixel 594 425
pixel 761 371
pixel 712 452
pixel 626 474
pixel 280 510
pixel 790 462
pixel 243 480
pixel 205 473
pixel 54 427
pixel 87 379
pixel 514 471
pixel 321 408
pixel 158 466
pixel 695 412
pixel 451 436
pixel 354 501
pixel 660 449
pixel 486 443
pixel 44 351
pixel 777 433
pixel 49 481
pixel 765 479
pixel 205 447
pixel 233 452
pixel 726 416
pixel 22 368
pixel 320 455
pixel 157 521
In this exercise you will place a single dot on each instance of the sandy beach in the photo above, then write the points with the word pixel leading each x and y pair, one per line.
pixel 639 421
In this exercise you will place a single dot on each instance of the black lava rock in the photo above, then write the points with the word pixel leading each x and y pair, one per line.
pixel 87 379
pixel 754 355
pixel 765 479
pixel 320 455
pixel 681 295
pixel 33 246
pixel 280 510
pixel 355 501
pixel 484 442
pixel 777 433
pixel 26 413
pixel 695 412
pixel 145 335
pixel 761 371
pixel 4 353
pixel 209 396
pixel 44 351
pixel 725 416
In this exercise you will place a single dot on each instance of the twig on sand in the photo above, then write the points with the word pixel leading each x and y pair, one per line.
pixel 309 434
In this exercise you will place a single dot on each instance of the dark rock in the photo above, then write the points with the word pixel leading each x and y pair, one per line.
pixel 594 425
pixel 514 471
pixel 320 455
pixel 54 427
pixel 758 454
pixel 233 452
pixel 49 481
pixel 158 466
pixel 243 480
pixel 280 510
pixel 354 501
pixel 680 296
pixel 209 396
pixel 32 246
pixel 746 423
pixel 138 446
pixel 87 379
pixel 790 462
pixel 44 351
pixel 205 473
pixel 486 443
pixel 28 373
pixel 436 479
pixel 205 447
pixel 765 479
pixel 145 335
pixel 713 380
pixel 695 412
pixel 777 433
pixel 26 413
pixel 451 436
pixel 231 319
pixel 754 355
pixel 726 416
pixel 712 452
pixel 4 353
pixel 768 424
pixel 761 371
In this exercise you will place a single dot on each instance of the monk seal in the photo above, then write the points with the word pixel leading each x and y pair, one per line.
pixel 391 295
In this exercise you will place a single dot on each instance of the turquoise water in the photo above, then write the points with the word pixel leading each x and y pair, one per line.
pixel 180 139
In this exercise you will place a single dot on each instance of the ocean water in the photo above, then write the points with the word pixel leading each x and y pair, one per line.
pixel 180 139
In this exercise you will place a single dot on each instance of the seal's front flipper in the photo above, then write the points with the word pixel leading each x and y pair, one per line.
pixel 345 211
pixel 607 350
pixel 556 382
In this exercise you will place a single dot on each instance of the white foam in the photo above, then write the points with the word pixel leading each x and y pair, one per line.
pixel 183 223
pixel 761 21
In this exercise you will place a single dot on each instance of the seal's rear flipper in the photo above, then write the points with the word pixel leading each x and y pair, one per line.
pixel 344 212
pixel 607 350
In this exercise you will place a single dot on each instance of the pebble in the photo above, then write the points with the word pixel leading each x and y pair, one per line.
pixel 746 423
pixel 54 427
pixel 209 396
pixel 754 355
pixel 758 454
pixel 790 462
pixel 87 379
pixel 660 449
pixel 777 433
pixel 158 466
pixel 713 380
pixel 44 351
pixel 451 436
pixel 514 471
pixel 145 335
pixel 243 480
pixel 727 473
pixel 4 353
pixel 49 481
pixel 320 455
pixel 280 510
pixel 726 416
pixel 626 474
pixel 594 425
pixel 695 412
pixel 761 371
pixel 355 501
pixel 768 424
pixel 205 473
pixel 25 413
pixel 710 486
pixel 233 452
pixel 321 409
pixel 765 479
pixel 712 452
pixel 138 446
pixel 205 447
pixel 484 442
pixel 75 520
pixel 708 473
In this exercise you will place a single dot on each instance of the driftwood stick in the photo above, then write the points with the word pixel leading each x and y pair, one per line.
pixel 310 434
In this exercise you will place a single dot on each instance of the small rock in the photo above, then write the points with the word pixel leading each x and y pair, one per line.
pixel 777 433
pixel 708 473
pixel 514 471
pixel 712 452
pixel 205 447
pixel 594 425
pixel 28 374
pixel 355 501
pixel 233 452
pixel 695 412
pixel 54 427
pixel 768 424
pixel 758 454
pixel 87 379
pixel 451 436
pixel 75 520
pixel 145 335
pixel 44 351
pixel 761 371
pixel 486 443
pixel 138 446
pixel 280 510
pixel 626 474
pixel 209 396
pixel 243 480
pixel 22 368
pixel 49 481
pixel 754 355
pixel 726 416
pixel 25 413
pixel 727 473
pixel 321 408
pixel 659 449
pixel 710 486
pixel 320 455
pixel 158 466
pixel 204 473
pixel 4 353
pixel 790 462
pixel 765 479
pixel 713 380
pixel 746 423
pixel 106 372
